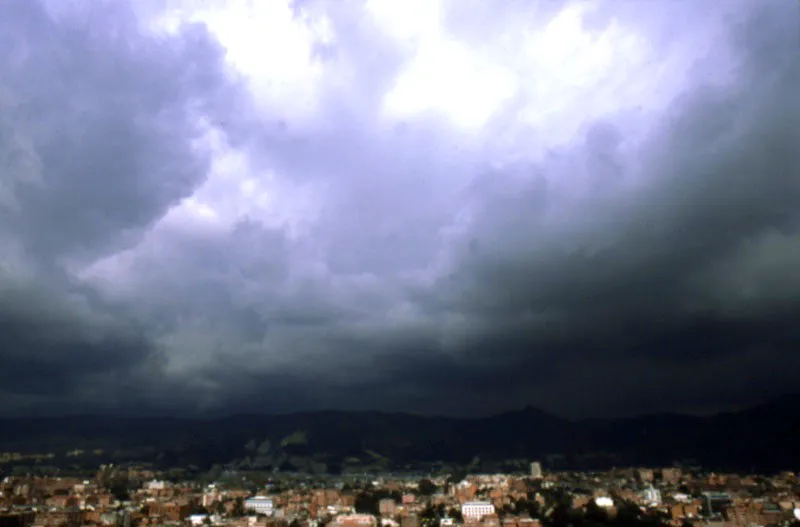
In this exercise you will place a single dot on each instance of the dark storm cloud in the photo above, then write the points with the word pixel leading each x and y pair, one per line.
pixel 96 127
pixel 620 286
pixel 616 286
pixel 46 347
pixel 646 264
pixel 110 115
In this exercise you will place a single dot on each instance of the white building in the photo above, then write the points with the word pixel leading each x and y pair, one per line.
pixel 155 485
pixel 536 469
pixel 604 502
pixel 476 509
pixel 259 505
pixel 356 520
pixel 651 496
pixel 681 497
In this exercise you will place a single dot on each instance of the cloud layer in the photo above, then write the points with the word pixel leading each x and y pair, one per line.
pixel 592 208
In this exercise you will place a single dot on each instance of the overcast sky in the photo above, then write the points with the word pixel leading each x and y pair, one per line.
pixel 454 207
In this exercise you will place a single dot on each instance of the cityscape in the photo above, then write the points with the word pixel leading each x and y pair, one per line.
pixel 399 263
pixel 136 496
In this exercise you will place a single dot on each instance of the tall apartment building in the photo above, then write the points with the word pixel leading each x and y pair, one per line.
pixel 476 509
pixel 259 505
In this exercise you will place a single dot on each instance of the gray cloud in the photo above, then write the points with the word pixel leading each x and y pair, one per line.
pixel 110 116
pixel 344 260
pixel 96 132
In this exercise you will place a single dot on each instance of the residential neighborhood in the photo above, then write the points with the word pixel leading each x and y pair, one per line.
pixel 138 497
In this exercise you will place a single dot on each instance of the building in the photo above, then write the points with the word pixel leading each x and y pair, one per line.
pixel 671 476
pixel 120 518
pixel 651 496
pixel 211 497
pixel 715 503
pixel 536 469
pixel 356 520
pixel 684 511
pixel 476 509
pixel 387 507
pixel 604 502
pixel 172 511
pixel 259 505
pixel 155 485
pixel 197 519
pixel 60 518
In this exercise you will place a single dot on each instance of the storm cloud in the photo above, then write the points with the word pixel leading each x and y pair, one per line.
pixel 211 208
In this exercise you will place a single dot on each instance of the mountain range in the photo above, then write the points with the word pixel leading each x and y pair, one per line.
pixel 763 438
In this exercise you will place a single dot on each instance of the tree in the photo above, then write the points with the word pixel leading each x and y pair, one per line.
pixel 429 517
pixel 531 507
pixel 366 503
pixel 426 487
pixel 238 507
pixel 595 514
pixel 455 513
pixel 119 489
pixel 628 514
pixel 562 515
